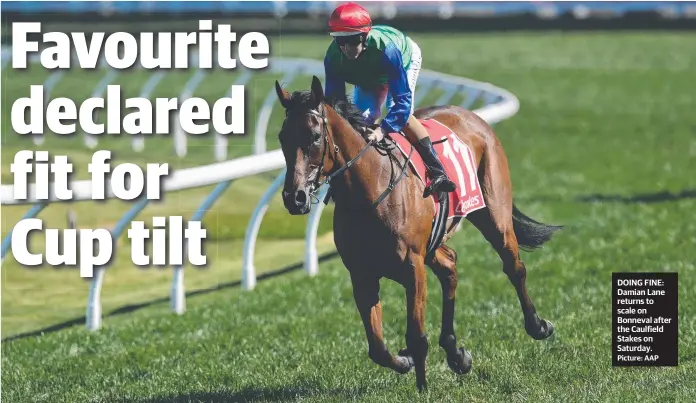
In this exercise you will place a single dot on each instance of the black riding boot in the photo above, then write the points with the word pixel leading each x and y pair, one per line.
pixel 439 180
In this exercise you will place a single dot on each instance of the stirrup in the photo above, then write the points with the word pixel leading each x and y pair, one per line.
pixel 439 184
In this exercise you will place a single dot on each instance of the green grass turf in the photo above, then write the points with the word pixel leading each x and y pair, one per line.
pixel 603 143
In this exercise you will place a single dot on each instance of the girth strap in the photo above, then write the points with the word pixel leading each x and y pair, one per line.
pixel 439 226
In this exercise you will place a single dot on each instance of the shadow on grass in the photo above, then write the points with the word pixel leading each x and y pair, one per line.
pixel 262 395
pixel 641 198
pixel 657 197
pixel 134 307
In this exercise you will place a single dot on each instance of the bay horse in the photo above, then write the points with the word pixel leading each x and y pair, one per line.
pixel 382 225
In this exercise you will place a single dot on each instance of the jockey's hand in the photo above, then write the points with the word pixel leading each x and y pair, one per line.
pixel 376 134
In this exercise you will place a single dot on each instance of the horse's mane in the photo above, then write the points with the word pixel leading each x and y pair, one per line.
pixel 302 100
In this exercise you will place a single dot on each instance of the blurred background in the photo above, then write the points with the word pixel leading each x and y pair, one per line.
pixel 604 142
pixel 309 16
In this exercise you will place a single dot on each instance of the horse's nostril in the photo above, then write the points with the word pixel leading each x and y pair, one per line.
pixel 300 197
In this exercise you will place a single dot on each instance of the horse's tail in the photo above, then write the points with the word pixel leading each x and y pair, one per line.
pixel 531 234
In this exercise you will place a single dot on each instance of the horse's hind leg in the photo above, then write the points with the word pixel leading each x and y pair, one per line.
pixel 444 265
pixel 366 294
pixel 496 226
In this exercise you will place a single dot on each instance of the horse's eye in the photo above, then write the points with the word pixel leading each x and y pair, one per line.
pixel 317 137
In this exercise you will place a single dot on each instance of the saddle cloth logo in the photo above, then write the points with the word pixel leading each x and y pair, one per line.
pixel 459 163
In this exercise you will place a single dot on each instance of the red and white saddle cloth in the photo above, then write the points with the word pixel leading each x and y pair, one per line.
pixel 460 166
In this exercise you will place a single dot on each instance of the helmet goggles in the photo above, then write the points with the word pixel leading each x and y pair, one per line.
pixel 354 40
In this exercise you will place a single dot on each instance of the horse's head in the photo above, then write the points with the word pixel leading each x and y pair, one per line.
pixel 304 139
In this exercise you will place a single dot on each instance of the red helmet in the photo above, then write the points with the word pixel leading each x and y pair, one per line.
pixel 349 19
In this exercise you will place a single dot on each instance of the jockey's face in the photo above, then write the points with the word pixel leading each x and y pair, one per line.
pixel 351 46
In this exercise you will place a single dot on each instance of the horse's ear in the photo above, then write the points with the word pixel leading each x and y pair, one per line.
pixel 317 91
pixel 283 95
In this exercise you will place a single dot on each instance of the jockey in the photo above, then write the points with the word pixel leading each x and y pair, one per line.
pixel 383 65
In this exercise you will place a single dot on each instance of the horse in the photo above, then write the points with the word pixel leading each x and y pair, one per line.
pixel 382 222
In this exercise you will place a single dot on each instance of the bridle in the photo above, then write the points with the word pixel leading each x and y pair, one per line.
pixel 317 184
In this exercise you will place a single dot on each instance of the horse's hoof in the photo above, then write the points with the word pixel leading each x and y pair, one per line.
pixel 544 331
pixel 405 363
pixel 550 328
pixel 461 362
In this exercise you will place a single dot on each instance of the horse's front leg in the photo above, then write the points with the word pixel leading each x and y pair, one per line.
pixel 366 294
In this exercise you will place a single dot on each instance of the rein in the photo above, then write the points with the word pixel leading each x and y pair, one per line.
pixel 314 187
